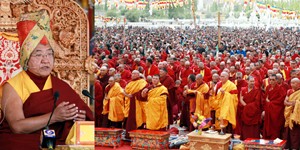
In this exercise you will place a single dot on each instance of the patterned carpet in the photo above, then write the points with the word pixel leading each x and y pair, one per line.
pixel 125 146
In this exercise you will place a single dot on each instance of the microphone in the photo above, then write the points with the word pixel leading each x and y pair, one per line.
pixel 48 135
pixel 87 94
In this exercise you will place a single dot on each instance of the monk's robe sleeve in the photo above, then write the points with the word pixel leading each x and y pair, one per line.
pixel 295 116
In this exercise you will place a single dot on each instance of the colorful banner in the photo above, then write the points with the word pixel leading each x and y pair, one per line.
pixel 275 11
pixel 141 5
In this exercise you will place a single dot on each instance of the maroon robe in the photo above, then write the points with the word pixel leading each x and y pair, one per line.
pixel 123 83
pixel 274 112
pixel 126 75
pixel 186 112
pixel 168 82
pixel 292 136
pixel 257 77
pixel 207 74
pixel 152 70
pixel 179 97
pixel 239 84
pixel 251 113
pixel 184 74
pixel 131 119
pixel 41 103
pixel 103 118
pixel 98 103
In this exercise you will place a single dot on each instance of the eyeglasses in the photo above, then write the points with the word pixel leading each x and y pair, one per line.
pixel 272 79
pixel 40 55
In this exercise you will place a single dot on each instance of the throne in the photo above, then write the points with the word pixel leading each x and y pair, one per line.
pixel 70 30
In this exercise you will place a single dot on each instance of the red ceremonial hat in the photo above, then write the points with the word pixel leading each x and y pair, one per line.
pixel 24 27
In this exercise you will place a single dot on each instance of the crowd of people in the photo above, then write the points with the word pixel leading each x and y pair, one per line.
pixel 249 84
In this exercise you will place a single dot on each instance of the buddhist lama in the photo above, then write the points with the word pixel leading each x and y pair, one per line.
pixel 156 105
pixel 201 105
pixel 240 83
pixel 273 106
pixel 113 103
pixel 292 116
pixel 169 83
pixel 250 110
pixel 34 99
pixel 226 94
pixel 188 98
pixel 134 109
pixel 212 101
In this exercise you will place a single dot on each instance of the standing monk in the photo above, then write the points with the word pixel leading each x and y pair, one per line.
pixel 169 83
pixel 226 94
pixel 240 83
pixel 103 78
pixel 292 116
pixel 113 103
pixel 156 105
pixel 212 101
pixel 134 109
pixel 98 103
pixel 201 105
pixel 273 106
pixel 250 110
pixel 186 112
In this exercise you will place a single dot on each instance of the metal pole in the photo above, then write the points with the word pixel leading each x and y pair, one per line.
pixel 219 30
pixel 193 10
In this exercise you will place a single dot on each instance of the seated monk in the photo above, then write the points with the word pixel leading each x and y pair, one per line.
pixel 29 97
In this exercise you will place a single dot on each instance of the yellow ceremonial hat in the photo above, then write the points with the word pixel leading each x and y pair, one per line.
pixel 33 28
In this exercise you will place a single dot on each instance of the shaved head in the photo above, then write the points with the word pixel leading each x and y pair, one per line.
pixel 135 75
pixel 224 74
pixel 295 83
pixel 199 76
pixel 295 80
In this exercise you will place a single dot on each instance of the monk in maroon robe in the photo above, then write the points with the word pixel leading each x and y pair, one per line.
pixel 273 106
pixel 186 112
pixel 103 78
pixel 250 110
pixel 240 83
pixel 98 102
pixel 168 82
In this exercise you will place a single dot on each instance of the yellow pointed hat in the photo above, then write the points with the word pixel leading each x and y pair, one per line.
pixel 33 28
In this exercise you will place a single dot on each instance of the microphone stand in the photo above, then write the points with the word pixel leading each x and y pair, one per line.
pixel 49 135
